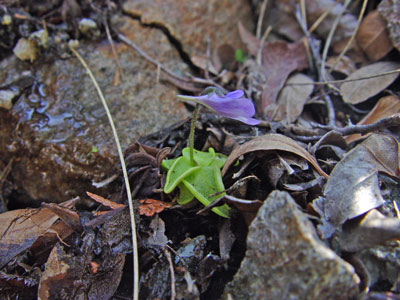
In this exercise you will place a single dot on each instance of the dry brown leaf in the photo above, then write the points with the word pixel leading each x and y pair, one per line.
pixel 64 268
pixel 384 108
pixel 281 15
pixel 373 37
pixel 279 59
pixel 251 42
pixel 347 23
pixel 352 188
pixel 292 98
pixel 355 92
pixel 345 65
pixel 104 201
pixel 19 229
pixel 271 142
pixel 149 207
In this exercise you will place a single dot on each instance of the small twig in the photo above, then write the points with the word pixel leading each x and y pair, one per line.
pixel 114 51
pixel 173 76
pixel 261 18
pixel 262 42
pixel 313 43
pixel 171 270
pixel 124 171
pixel 331 110
pixel 350 129
pixel 207 82
pixel 350 41
pixel 329 39
pixel 148 58
pixel 4 173
pixel 318 62
pixel 364 129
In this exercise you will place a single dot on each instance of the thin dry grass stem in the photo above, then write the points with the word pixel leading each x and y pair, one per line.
pixel 164 69
pixel 261 18
pixel 322 17
pixel 303 11
pixel 346 80
pixel 125 174
pixel 208 59
pixel 329 39
pixel 120 73
pixel 364 6
pixel 172 272
pixel 262 42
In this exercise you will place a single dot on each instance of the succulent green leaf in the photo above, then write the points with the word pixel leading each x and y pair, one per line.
pixel 179 170
pixel 197 181
pixel 185 196
pixel 219 160
pixel 167 163
pixel 203 183
pixel 200 157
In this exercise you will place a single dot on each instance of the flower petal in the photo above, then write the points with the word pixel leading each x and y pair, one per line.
pixel 233 105
pixel 248 121
pixel 235 94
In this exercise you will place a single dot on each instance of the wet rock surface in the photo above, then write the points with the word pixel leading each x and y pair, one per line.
pixel 286 260
pixel 58 118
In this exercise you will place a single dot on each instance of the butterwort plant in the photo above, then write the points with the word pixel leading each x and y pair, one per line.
pixel 197 174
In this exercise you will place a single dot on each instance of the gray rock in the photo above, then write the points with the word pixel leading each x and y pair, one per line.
pixel 6 97
pixel 286 260
pixel 193 23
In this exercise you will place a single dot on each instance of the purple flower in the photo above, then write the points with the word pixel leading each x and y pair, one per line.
pixel 232 105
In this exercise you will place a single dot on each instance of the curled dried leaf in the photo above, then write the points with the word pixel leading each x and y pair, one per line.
pixel 149 207
pixel 270 142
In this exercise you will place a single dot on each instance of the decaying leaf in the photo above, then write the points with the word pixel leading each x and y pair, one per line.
pixel 104 201
pixel 279 59
pixel 64 270
pixel 352 188
pixel 355 92
pixel 292 98
pixel 271 142
pixel 373 37
pixel 149 207
pixel 372 230
pixel 385 107
pixel 157 237
pixel 19 229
